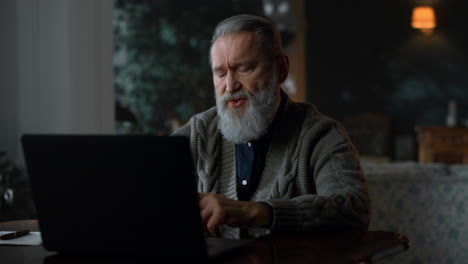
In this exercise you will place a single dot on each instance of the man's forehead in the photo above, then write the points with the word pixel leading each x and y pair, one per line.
pixel 244 37
pixel 236 46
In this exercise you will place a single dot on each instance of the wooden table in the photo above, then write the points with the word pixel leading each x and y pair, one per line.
pixel 322 247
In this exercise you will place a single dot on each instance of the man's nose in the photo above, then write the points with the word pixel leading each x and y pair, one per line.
pixel 232 84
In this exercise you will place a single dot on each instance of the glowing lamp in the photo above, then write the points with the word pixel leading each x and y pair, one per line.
pixel 423 18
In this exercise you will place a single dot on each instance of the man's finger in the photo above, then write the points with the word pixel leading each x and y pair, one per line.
pixel 212 225
pixel 201 196
pixel 216 218
pixel 205 215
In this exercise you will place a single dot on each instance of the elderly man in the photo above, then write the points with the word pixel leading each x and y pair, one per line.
pixel 265 163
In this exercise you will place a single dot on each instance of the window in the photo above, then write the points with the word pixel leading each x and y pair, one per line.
pixel 161 50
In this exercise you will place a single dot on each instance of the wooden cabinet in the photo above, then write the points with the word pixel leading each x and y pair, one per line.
pixel 443 144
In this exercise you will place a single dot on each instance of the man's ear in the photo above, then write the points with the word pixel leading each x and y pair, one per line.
pixel 283 68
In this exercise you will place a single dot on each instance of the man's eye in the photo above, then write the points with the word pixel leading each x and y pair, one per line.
pixel 245 69
pixel 219 74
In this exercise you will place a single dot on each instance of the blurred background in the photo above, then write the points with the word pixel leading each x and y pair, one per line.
pixel 394 72
pixel 142 66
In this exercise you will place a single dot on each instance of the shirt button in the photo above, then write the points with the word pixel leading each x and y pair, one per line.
pixel 249 144
pixel 244 182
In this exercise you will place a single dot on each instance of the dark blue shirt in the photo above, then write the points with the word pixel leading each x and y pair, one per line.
pixel 251 159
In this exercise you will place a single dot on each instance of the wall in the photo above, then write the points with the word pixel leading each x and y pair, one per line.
pixel 296 53
pixel 8 80
pixel 363 56
pixel 289 17
pixel 56 68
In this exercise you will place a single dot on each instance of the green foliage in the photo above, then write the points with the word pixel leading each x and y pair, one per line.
pixel 7 171
pixel 15 195
pixel 165 74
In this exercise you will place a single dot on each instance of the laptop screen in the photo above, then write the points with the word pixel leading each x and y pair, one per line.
pixel 124 194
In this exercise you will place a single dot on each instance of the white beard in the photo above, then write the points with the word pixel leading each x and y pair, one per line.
pixel 244 125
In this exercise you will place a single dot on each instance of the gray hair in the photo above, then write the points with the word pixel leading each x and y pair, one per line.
pixel 264 30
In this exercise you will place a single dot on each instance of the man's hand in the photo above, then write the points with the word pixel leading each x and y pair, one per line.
pixel 217 209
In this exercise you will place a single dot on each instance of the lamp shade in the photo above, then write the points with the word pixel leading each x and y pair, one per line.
pixel 423 18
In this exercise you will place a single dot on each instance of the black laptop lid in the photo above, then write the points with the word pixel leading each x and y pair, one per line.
pixel 115 194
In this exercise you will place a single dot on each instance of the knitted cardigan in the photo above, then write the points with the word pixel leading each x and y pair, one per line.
pixel 312 177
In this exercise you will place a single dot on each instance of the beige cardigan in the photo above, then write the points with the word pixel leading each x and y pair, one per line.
pixel 312 177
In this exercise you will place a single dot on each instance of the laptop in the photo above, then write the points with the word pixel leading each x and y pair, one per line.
pixel 118 195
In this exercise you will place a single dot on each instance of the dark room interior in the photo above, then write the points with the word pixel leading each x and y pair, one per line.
pixel 394 73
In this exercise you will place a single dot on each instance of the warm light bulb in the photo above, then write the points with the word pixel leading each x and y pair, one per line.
pixel 423 18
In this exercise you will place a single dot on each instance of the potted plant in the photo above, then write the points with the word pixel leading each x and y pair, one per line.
pixel 15 198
